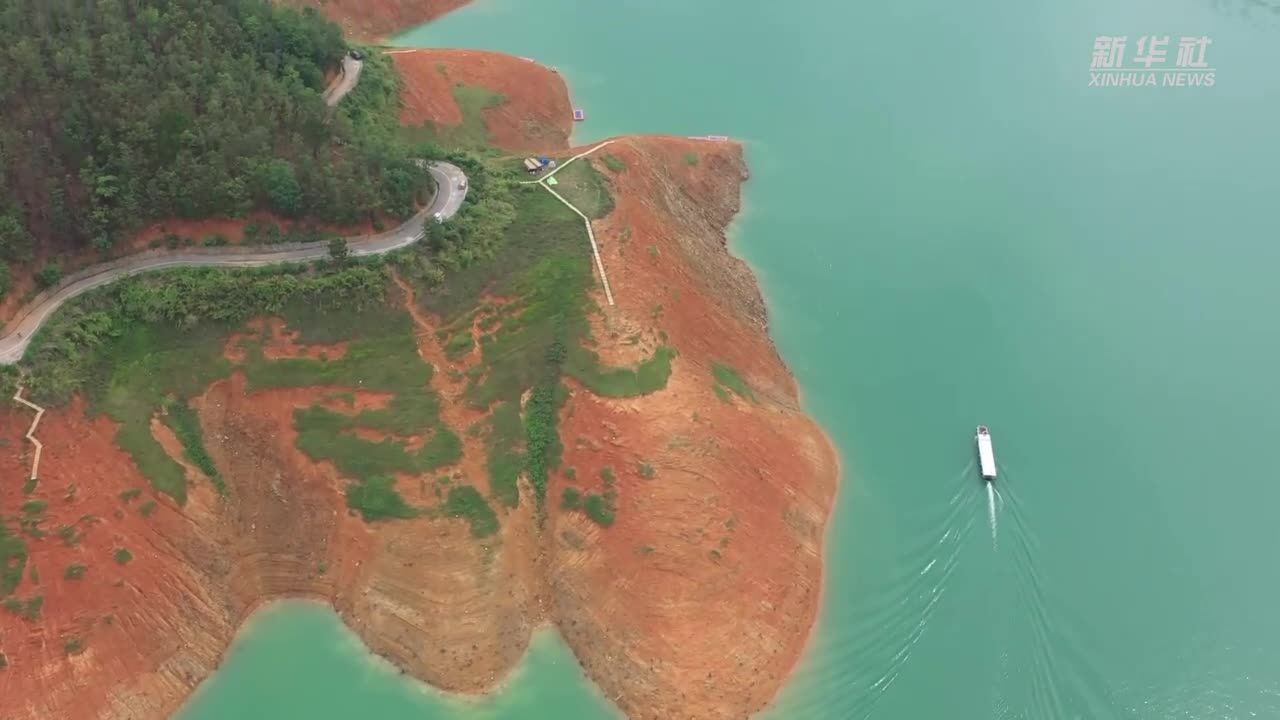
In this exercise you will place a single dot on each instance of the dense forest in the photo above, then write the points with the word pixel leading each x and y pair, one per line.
pixel 120 112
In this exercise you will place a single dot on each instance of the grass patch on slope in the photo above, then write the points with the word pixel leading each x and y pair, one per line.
pixel 543 267
pixel 186 426
pixel 376 498
pixel 382 355
pixel 13 560
pixel 648 377
pixel 466 502
pixel 728 378
pixel 136 345
pixel 140 373
pixel 584 186
pixel 472 132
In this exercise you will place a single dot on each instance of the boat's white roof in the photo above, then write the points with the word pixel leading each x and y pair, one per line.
pixel 986 456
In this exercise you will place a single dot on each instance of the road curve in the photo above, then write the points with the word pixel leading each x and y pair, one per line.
pixel 345 83
pixel 451 190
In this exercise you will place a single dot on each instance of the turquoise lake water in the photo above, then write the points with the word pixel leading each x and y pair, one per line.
pixel 951 228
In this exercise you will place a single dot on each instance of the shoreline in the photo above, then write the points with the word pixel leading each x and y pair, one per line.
pixel 732 236
pixel 258 613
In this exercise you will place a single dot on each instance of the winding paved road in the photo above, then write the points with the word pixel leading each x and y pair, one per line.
pixel 451 190
pixel 345 83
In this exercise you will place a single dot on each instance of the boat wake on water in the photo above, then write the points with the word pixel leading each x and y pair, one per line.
pixel 1047 670
pixel 991 512
pixel 894 615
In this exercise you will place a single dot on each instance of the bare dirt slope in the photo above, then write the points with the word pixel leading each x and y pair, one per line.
pixel 534 114
pixel 372 20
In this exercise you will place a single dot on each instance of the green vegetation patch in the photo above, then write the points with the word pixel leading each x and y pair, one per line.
pixel 600 510
pixel 123 556
pixel 729 378
pixel 75 572
pixel 571 499
pixel 648 377
pixel 504 446
pixel 139 344
pixel 542 435
pixel 28 609
pixel 472 132
pixel 584 186
pixel 459 345
pixel 722 393
pixel 377 499
pixel 614 163
pixel 466 502
pixel 186 426
pixel 13 560
pixel 382 355
pixel 544 271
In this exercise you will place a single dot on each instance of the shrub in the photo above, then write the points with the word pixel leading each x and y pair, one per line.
pixel 646 471
pixel 123 556
pixel 49 276
pixel 572 499
pixel 599 510
pixel 75 572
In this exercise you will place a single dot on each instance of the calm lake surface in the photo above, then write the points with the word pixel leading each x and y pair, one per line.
pixel 952 228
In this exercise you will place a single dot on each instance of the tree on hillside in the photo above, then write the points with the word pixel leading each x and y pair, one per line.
pixel 120 112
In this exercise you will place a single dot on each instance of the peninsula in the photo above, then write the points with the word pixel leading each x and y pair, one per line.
pixel 453 442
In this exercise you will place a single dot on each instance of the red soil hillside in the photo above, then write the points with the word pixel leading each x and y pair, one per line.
pixel 536 114
pixel 372 20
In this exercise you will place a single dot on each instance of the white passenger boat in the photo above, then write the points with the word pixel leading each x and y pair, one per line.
pixel 986 455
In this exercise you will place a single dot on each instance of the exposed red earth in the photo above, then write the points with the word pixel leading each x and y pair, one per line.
pixel 536 114
pixel 373 20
